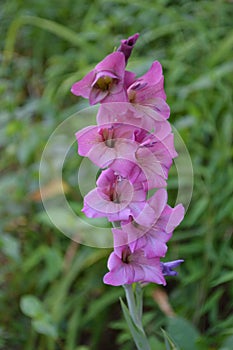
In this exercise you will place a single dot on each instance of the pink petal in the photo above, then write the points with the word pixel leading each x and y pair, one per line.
pixel 83 87
pixel 176 217
pixel 97 95
pixel 114 63
pixel 146 217
pixel 114 261
pixel 158 202
pixel 153 272
pixel 129 78
pixel 154 74
pixel 123 274
pixel 87 138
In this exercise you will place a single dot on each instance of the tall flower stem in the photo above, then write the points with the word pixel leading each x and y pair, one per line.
pixel 134 301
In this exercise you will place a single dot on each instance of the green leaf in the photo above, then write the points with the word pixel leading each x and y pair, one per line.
pixel 168 342
pixel 139 299
pixel 44 326
pixel 226 277
pixel 183 333
pixel 138 336
pixel 10 246
pixel 156 344
pixel 31 306
pixel 45 24
pixel 99 305
pixel 227 345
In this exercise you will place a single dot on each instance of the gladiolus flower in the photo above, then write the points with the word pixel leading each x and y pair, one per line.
pixel 105 83
pixel 127 267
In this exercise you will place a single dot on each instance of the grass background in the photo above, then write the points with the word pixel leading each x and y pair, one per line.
pixel 52 295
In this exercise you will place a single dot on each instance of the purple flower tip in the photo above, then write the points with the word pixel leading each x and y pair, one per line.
pixel 167 268
pixel 127 46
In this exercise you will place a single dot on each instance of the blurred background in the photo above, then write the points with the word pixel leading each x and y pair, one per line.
pixel 52 295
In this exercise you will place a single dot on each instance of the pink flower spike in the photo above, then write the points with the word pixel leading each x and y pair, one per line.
pixel 105 83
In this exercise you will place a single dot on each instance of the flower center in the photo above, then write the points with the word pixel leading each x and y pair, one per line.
pixel 108 136
pixel 114 196
pixel 104 83
pixel 126 256
pixel 133 89
pixel 131 96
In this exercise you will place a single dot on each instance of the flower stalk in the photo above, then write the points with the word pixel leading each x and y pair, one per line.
pixel 135 302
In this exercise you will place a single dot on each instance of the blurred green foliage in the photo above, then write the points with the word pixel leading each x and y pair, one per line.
pixel 52 295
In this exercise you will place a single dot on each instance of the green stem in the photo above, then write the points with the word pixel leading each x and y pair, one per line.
pixel 132 305
pixel 135 311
